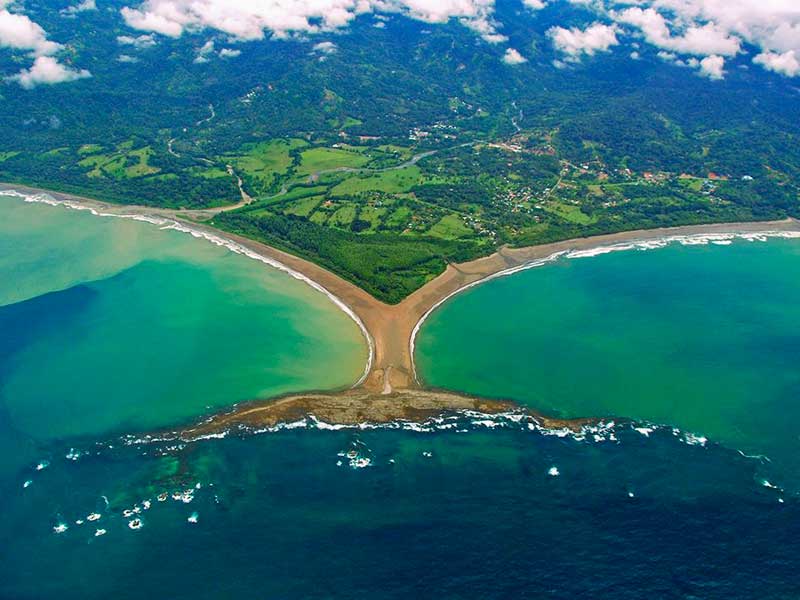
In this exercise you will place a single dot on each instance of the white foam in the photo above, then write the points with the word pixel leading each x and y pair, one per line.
pixel 99 532
pixel 193 518
pixel 60 528
pixel 360 462
pixel 135 524
pixel 93 517
pixel 553 472
pixel 694 439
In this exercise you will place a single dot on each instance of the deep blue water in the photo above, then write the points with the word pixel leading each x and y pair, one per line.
pixel 480 517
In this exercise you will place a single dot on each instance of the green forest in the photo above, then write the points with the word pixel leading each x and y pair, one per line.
pixel 407 148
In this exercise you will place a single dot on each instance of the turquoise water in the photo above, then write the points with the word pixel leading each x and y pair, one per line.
pixel 704 338
pixel 115 325
pixel 154 327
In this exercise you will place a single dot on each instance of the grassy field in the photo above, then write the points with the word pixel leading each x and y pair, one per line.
pixel 570 213
pixel 323 159
pixel 390 182
pixel 123 163
pixel 7 155
pixel 450 227
pixel 261 165
pixel 302 207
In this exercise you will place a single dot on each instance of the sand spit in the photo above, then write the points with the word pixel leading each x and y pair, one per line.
pixel 359 408
pixel 390 329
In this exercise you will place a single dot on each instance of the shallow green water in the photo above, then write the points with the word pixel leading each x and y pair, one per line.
pixel 705 338
pixel 111 324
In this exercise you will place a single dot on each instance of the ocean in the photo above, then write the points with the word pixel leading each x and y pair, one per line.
pixel 110 326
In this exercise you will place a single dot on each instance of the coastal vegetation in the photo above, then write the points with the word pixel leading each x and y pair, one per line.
pixel 383 164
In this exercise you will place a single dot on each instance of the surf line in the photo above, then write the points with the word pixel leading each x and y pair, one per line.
pixel 695 239
pixel 166 223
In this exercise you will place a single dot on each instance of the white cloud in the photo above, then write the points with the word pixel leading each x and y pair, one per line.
pixel 576 42
pixel 20 33
pixel 47 70
pixel 138 42
pixel 325 48
pixel 204 52
pixel 84 6
pixel 707 28
pixel 785 64
pixel 702 40
pixel 535 4
pixel 229 53
pixel 252 20
pixel 712 67
pixel 513 57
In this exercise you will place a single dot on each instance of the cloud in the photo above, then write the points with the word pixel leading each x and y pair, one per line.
pixel 534 4
pixel 46 70
pixel 204 52
pixel 229 53
pixel 576 42
pixel 139 42
pixel 712 67
pixel 708 28
pixel 18 32
pixel 512 57
pixel 85 5
pixel 785 64
pixel 325 48
pixel 702 40
pixel 251 20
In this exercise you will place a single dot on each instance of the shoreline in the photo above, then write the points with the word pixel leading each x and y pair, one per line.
pixel 788 228
pixel 391 330
pixel 209 234
pixel 417 410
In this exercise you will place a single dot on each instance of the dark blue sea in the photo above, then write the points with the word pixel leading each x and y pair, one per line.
pixel 478 513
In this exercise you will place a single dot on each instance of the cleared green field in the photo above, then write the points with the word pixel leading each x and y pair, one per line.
pixel 123 164
pixel 450 227
pixel 323 159
pixel 390 182
pixel 90 149
pixel 373 215
pixel 208 173
pixel 302 207
pixel 399 218
pixel 301 192
pixel 143 167
pixel 343 216
pixel 265 160
pixel 570 213
pixel 320 217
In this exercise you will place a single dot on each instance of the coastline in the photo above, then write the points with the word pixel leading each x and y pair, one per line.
pixel 390 330
pixel 419 410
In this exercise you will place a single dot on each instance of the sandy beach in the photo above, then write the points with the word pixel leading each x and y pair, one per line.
pixel 390 328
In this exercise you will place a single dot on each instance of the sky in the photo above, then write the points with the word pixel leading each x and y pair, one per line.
pixel 703 35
